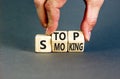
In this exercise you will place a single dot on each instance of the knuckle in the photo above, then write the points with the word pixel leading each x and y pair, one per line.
pixel 38 2
pixel 48 5
pixel 54 4
pixel 91 22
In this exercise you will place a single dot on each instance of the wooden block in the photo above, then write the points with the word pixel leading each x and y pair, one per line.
pixel 42 43
pixel 75 41
pixel 59 41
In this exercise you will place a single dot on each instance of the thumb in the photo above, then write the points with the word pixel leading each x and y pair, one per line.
pixel 90 17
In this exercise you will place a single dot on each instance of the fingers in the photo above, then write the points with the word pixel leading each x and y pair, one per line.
pixel 49 13
pixel 90 17
pixel 41 11
pixel 53 14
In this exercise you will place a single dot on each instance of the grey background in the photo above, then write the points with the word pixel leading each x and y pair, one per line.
pixel 19 24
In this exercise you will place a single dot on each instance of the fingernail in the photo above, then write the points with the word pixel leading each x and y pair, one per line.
pixel 45 25
pixel 88 36
pixel 46 32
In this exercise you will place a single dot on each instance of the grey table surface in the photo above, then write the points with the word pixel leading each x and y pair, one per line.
pixel 19 24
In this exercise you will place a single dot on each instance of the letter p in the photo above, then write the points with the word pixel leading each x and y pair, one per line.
pixel 75 35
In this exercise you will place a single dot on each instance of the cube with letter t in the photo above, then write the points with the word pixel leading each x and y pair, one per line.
pixel 59 41
pixel 75 41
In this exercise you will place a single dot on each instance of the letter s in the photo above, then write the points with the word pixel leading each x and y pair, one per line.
pixel 43 45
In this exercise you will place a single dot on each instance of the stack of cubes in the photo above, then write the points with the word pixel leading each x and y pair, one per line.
pixel 60 41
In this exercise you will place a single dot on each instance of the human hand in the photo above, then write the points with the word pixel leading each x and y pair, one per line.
pixel 90 16
pixel 49 13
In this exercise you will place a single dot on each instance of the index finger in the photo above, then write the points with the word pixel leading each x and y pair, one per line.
pixel 53 14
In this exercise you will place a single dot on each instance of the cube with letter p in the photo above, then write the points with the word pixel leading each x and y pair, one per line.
pixel 75 41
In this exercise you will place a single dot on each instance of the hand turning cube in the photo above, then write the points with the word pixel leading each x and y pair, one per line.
pixel 60 41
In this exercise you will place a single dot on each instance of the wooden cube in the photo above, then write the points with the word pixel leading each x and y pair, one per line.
pixel 59 41
pixel 42 43
pixel 75 41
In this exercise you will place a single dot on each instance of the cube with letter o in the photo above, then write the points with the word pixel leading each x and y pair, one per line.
pixel 59 41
